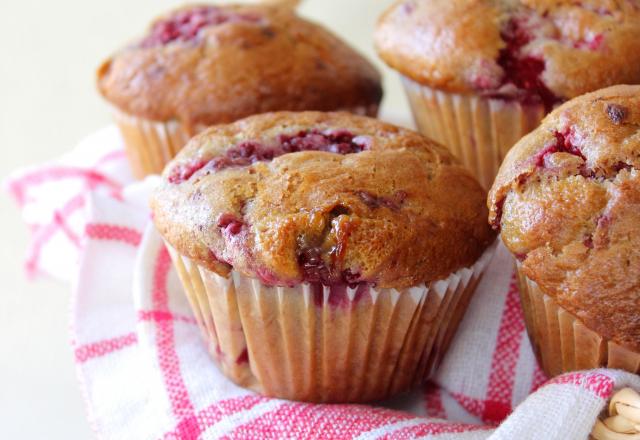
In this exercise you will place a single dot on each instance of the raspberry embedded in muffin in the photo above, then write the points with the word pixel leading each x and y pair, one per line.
pixel 562 143
pixel 521 70
pixel 334 141
pixel 591 42
pixel 522 66
pixel 185 24
pixel 230 224
pixel 248 152
pixel 321 198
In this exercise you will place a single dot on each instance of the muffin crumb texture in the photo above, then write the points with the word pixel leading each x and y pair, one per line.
pixel 567 202
pixel 532 51
pixel 322 198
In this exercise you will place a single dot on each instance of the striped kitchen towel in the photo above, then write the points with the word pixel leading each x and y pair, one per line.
pixel 145 372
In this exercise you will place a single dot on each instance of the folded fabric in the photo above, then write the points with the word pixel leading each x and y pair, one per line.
pixel 145 372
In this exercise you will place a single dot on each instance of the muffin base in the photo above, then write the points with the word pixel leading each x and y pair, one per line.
pixel 326 344
pixel 562 343
pixel 479 131
pixel 150 145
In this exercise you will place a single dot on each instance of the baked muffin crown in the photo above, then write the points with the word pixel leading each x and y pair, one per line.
pixel 321 198
pixel 567 201
pixel 530 50
pixel 206 64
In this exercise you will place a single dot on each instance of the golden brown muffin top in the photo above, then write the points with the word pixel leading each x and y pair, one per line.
pixel 206 64
pixel 322 197
pixel 530 50
pixel 567 200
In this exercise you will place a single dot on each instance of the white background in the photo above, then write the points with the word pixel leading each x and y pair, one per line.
pixel 48 53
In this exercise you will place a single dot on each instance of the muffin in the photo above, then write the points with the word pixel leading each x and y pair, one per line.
pixel 567 203
pixel 481 74
pixel 204 64
pixel 328 257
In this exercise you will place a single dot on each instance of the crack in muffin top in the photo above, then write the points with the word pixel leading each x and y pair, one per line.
pixel 329 198
pixel 207 64
pixel 533 51
pixel 567 202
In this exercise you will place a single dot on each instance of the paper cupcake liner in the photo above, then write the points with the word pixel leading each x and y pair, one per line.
pixel 326 344
pixel 150 145
pixel 562 343
pixel 479 131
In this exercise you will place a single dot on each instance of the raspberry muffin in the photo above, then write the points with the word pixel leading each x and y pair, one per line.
pixel 481 74
pixel 205 64
pixel 328 257
pixel 567 202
